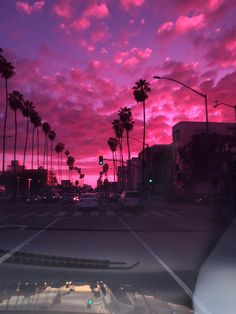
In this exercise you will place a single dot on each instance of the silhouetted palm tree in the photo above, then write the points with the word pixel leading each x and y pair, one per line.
pixel 36 122
pixel 16 102
pixel 125 116
pixel 119 131
pixel 51 136
pixel 140 92
pixel 59 149
pixel 46 129
pixel 113 143
pixel 27 110
pixel 6 72
pixel 70 164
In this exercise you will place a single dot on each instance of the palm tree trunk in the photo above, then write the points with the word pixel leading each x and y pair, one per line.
pixel 128 166
pixel 58 167
pixel 61 166
pixel 44 153
pixel 26 142
pixel 38 147
pixel 47 151
pixel 144 135
pixel 32 155
pixel 114 166
pixel 4 130
pixel 51 163
pixel 15 143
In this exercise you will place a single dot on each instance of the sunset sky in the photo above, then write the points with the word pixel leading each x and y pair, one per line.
pixel 77 60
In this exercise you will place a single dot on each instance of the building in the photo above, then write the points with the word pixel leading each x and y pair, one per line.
pixel 201 161
pixel 157 168
pixel 27 180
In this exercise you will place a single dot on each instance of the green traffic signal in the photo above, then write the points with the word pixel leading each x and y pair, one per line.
pixel 100 160
pixel 150 180
pixel 90 301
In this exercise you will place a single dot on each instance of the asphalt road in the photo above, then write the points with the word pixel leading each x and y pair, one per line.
pixel 159 248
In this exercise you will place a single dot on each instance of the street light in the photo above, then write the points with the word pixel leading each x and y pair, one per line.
pixel 218 103
pixel 29 185
pixel 193 90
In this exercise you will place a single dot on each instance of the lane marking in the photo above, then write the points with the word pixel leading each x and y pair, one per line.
pixel 25 242
pixel 77 213
pixel 9 216
pixel 60 214
pixel 44 214
pixel 94 214
pixel 178 280
pixel 110 213
pixel 27 215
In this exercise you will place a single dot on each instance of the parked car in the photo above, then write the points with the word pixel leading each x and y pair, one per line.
pixel 131 199
pixel 88 200
pixel 113 197
pixel 70 198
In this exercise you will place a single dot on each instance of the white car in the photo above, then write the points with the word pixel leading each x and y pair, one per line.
pixel 88 200
pixel 131 199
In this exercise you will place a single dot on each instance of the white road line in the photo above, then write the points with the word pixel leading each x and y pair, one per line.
pixel 60 214
pixel 94 214
pixel 9 216
pixel 144 214
pixel 110 213
pixel 77 213
pixel 27 215
pixel 156 213
pixel 44 214
pixel 179 281
pixel 24 243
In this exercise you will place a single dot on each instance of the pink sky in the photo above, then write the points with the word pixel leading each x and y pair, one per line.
pixel 78 60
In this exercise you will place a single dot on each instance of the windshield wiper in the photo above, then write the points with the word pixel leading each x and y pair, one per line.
pixel 63 261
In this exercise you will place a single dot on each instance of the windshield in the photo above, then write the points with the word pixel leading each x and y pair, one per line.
pixel 118 156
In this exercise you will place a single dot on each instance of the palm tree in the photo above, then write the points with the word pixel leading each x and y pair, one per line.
pixel 6 72
pixel 27 110
pixel 59 149
pixel 125 116
pixel 16 102
pixel 70 163
pixel 119 131
pixel 112 143
pixel 36 122
pixel 46 129
pixel 51 136
pixel 140 92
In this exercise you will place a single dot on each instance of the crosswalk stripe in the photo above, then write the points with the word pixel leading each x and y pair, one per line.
pixel 110 213
pixel 156 213
pixel 94 214
pixel 27 215
pixel 9 216
pixel 77 213
pixel 44 214
pixel 144 214
pixel 60 214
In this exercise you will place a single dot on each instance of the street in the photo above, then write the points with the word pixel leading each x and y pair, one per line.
pixel 160 247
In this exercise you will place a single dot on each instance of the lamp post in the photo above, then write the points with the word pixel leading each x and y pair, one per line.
pixel 218 103
pixel 204 96
pixel 29 185
pixel 193 90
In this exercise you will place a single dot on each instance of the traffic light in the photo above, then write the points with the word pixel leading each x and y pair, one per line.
pixel 150 182
pixel 100 160
pixel 89 303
